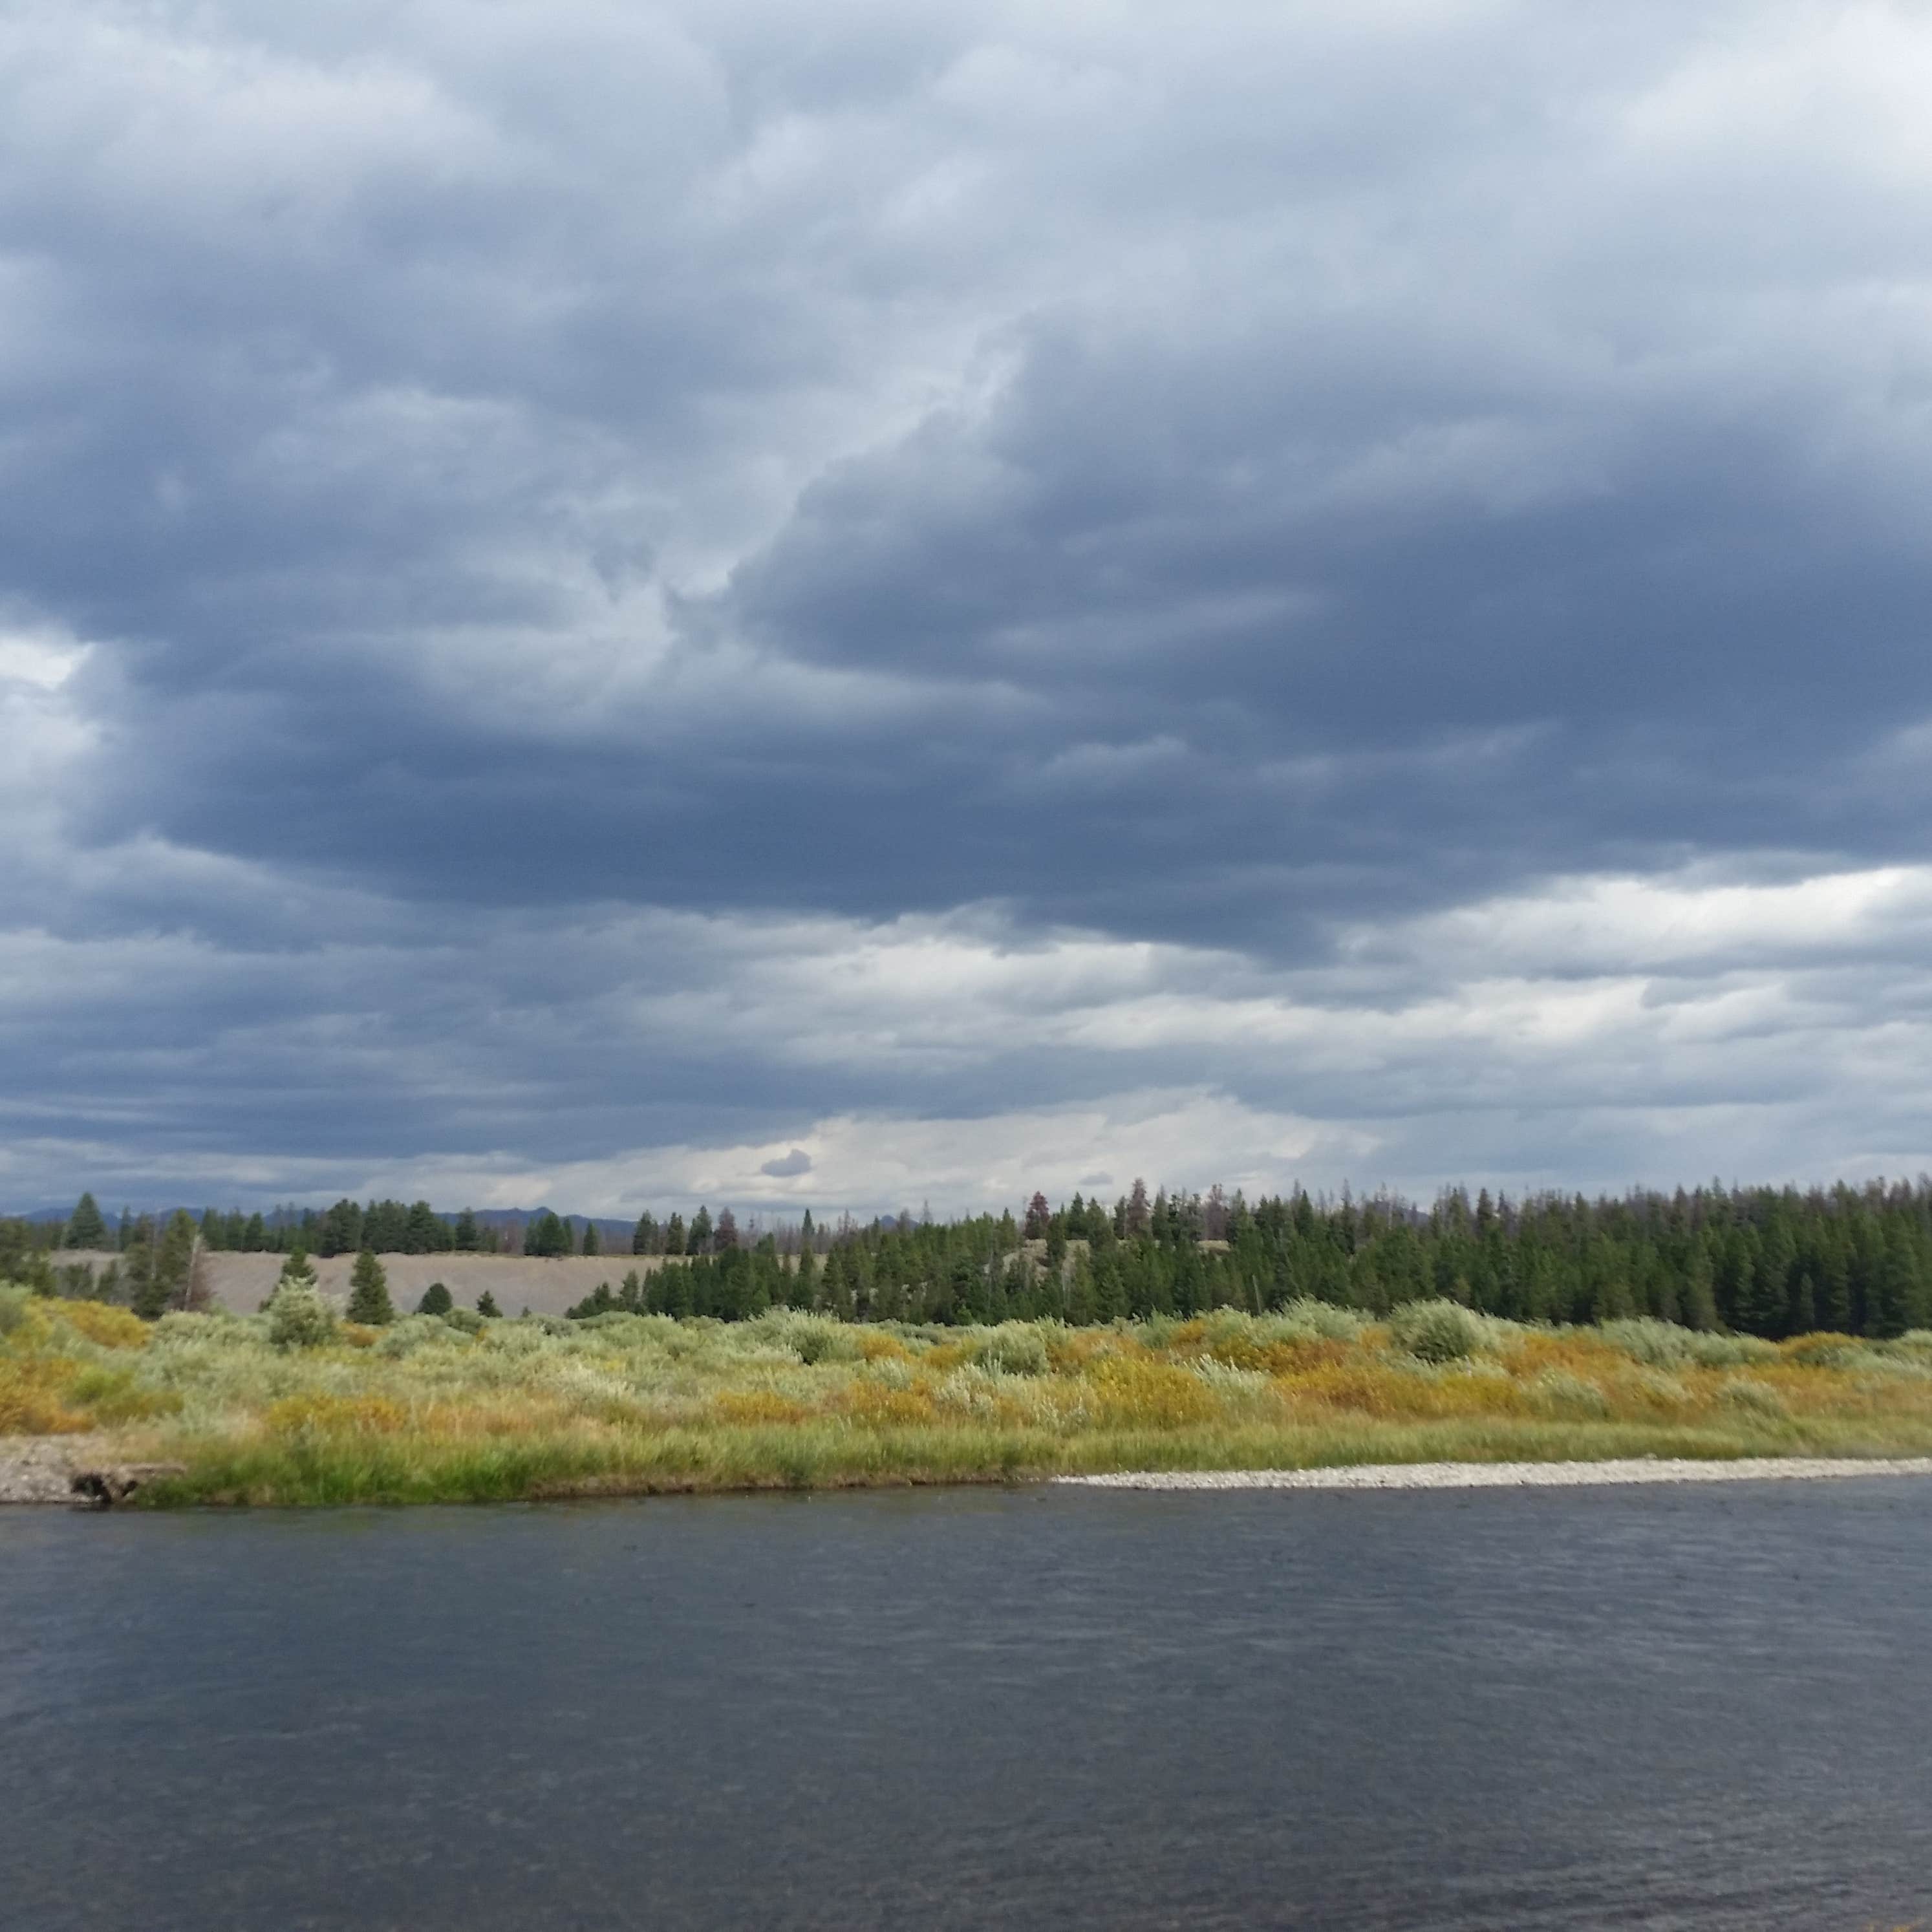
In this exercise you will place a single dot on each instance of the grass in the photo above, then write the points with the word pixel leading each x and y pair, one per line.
pixel 428 1411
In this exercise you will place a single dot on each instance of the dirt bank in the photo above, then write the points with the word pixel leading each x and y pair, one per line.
pixel 40 1468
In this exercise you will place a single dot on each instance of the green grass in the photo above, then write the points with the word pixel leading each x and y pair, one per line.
pixel 426 1412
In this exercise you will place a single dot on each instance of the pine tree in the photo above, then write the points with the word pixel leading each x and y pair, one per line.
pixel 435 1300
pixel 369 1301
pixel 465 1234
pixel 428 1231
pixel 593 1242
pixel 164 1282
pixel 699 1241
pixel 486 1305
pixel 674 1235
pixel 85 1228
pixel 838 1296
pixel 726 1237
pixel 299 1318
pixel 643 1236
pixel 340 1232
pixel 548 1235
pixel 1700 1296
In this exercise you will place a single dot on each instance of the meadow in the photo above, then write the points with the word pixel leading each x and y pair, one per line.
pixel 462 1408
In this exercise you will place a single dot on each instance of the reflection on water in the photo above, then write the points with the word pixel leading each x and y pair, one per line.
pixel 1697 1707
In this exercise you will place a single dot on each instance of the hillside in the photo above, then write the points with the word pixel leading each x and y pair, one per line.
pixel 241 1282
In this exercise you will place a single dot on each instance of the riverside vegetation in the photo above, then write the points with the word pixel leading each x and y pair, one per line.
pixel 296 1405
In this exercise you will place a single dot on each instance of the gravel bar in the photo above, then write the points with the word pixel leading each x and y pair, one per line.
pixel 1514 1475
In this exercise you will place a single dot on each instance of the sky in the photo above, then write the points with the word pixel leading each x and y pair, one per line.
pixel 619 603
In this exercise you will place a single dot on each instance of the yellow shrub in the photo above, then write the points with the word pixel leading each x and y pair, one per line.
pixel 1069 1350
pixel 1299 1358
pixel 1132 1392
pixel 1368 1388
pixel 1820 1350
pixel 110 1327
pixel 1576 1355
pixel 31 1401
pixel 882 1407
pixel 1362 1386
pixel 317 1413
pixel 757 1406
pixel 875 1347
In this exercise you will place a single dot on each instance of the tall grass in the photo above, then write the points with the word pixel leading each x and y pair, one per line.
pixel 428 1410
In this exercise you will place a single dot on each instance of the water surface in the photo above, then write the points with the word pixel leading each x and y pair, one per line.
pixel 1695 1708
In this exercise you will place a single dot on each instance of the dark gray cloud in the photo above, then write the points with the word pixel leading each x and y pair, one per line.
pixel 546 547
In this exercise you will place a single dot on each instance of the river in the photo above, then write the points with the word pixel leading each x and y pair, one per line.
pixel 1690 1707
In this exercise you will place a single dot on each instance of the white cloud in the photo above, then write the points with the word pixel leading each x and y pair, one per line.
pixel 1639 1026
pixel 883 1164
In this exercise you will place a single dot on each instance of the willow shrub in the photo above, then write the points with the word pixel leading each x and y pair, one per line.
pixel 478 1408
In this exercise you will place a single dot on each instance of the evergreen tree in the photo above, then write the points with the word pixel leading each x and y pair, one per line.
pixel 838 1297
pixel 593 1242
pixel 465 1235
pixel 644 1235
pixel 385 1227
pixel 725 1237
pixel 699 1241
pixel 299 1318
pixel 164 1283
pixel 340 1231
pixel 674 1235
pixel 547 1235
pixel 436 1299
pixel 426 1232
pixel 85 1228
pixel 486 1305
pixel 369 1301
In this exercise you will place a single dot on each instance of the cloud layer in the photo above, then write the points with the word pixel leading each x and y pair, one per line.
pixel 628 601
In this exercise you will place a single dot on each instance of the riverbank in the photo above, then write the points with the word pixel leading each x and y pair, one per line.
pixel 430 1410
pixel 40 1469
pixel 1515 1475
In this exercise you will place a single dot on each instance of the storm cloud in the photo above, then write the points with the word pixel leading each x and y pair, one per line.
pixel 628 602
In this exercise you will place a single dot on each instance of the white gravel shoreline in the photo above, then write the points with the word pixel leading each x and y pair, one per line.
pixel 1513 1475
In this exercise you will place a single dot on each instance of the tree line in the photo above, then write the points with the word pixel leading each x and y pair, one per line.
pixel 1770 1262
pixel 1767 1261
pixel 390 1227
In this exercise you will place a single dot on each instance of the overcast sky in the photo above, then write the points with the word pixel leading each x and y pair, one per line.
pixel 618 604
